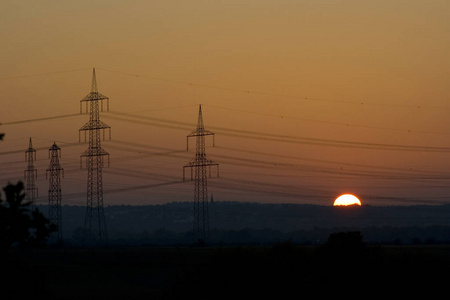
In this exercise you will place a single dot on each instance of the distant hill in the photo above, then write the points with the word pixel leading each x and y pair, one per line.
pixel 257 223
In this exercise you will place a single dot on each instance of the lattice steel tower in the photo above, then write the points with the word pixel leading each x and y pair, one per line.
pixel 199 163
pixel 94 225
pixel 54 192
pixel 30 174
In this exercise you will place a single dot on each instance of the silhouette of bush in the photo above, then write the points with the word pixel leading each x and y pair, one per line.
pixel 343 248
pixel 352 240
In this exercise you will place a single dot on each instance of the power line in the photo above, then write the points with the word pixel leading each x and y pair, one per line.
pixel 38 119
pixel 346 124
pixel 246 91
pixel 38 148
pixel 243 91
pixel 340 163
pixel 260 135
pixel 184 125
pixel 342 168
pixel 244 186
pixel 42 74
pixel 278 137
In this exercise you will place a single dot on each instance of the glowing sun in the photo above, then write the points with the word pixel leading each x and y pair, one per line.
pixel 346 199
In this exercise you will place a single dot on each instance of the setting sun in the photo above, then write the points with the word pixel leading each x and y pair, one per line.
pixel 346 199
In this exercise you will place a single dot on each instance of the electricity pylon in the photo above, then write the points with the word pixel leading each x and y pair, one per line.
pixel 30 174
pixel 54 192
pixel 199 163
pixel 94 232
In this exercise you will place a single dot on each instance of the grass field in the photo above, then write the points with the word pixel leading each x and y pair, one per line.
pixel 220 272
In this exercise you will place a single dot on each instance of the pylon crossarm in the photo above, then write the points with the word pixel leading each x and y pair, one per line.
pixel 94 124
pixel 200 132
pixel 94 96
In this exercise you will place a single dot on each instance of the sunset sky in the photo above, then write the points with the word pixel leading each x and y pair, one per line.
pixel 308 99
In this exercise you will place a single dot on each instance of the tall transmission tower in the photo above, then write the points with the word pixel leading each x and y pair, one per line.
pixel 54 192
pixel 30 174
pixel 94 224
pixel 199 164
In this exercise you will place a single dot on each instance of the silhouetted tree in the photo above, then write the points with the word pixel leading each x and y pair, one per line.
pixel 19 226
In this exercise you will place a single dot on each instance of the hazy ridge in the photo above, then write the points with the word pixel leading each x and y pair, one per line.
pixel 256 223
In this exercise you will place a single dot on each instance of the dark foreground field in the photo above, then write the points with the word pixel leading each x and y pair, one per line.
pixel 281 271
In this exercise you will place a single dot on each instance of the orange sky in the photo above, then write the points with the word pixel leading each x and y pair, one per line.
pixel 367 72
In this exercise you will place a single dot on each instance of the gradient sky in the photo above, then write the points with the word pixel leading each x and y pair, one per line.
pixel 308 99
